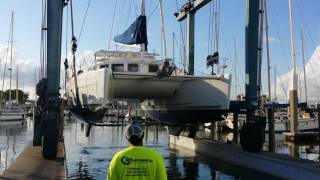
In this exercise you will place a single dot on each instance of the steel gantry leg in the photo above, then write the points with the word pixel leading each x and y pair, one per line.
pixel 252 134
pixel 52 101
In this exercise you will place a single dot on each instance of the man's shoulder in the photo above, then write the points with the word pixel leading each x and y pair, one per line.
pixel 152 150
pixel 153 153
pixel 143 149
pixel 121 152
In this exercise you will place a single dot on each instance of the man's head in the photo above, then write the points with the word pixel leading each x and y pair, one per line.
pixel 134 133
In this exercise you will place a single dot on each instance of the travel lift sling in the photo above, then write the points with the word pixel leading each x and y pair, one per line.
pixel 46 127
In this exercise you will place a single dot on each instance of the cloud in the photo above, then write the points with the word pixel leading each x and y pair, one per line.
pixel 28 69
pixel 312 78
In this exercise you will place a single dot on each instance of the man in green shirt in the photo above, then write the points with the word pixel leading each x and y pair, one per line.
pixel 137 162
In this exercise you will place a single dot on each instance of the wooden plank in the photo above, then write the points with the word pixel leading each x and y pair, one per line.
pixel 31 166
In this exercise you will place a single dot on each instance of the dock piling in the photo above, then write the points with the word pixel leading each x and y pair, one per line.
pixel 318 109
pixel 235 127
pixel 271 129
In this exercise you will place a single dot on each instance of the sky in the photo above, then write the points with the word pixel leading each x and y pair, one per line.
pixel 100 27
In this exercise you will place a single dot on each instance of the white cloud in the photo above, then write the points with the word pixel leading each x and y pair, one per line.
pixel 27 68
pixel 312 77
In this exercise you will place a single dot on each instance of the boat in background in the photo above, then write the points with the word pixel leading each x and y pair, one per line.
pixel 11 111
pixel 281 122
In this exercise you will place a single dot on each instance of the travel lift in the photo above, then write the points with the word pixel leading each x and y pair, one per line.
pixel 252 133
pixel 47 116
pixel 48 105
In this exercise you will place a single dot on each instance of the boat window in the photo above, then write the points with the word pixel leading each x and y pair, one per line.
pixel 133 67
pixel 153 68
pixel 103 66
pixel 117 67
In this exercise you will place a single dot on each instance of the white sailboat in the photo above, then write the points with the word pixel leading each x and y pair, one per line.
pixel 163 93
pixel 11 110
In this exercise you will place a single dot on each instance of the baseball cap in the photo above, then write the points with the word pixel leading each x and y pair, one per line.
pixel 134 129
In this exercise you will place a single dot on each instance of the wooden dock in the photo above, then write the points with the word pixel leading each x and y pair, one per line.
pixel 278 165
pixel 30 165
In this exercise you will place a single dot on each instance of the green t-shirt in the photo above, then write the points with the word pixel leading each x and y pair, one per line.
pixel 137 163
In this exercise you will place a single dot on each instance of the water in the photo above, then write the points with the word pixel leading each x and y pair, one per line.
pixel 89 157
pixel 14 137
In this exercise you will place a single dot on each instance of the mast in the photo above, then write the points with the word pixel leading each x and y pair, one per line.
pixel 235 67
pixel 173 47
pixel 293 51
pixel 293 99
pixel 268 49
pixel 260 47
pixel 10 69
pixel 304 68
pixel 17 90
pixel 275 83
pixel 143 13
pixel 163 31
pixel 35 84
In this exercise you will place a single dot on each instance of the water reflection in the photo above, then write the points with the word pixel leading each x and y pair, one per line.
pixel 14 136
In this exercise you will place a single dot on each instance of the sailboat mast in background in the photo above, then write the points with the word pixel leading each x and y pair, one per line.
pixel 304 68
pixel 275 83
pixel 10 69
pixel 17 86
pixel 293 99
pixel 143 13
pixel 163 31
pixel 235 69
pixel 268 49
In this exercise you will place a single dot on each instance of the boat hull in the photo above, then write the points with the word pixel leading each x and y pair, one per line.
pixel 173 100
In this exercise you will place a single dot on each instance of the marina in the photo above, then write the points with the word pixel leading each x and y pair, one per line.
pixel 127 109
pixel 88 158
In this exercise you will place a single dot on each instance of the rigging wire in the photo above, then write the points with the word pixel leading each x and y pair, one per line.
pixel 284 53
pixel 229 55
pixel 283 87
pixel 114 13
pixel 179 51
pixel 182 37
pixel 121 8
pixel 84 20
pixel 153 11
pixel 217 25
pixel 209 32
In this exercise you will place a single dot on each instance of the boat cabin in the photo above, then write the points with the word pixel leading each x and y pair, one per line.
pixel 127 62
